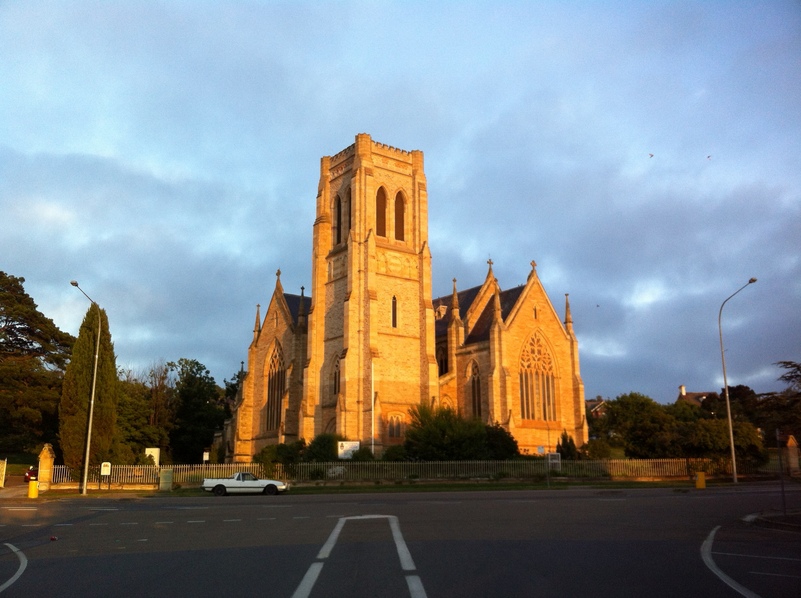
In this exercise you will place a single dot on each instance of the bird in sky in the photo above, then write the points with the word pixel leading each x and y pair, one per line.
pixel 650 155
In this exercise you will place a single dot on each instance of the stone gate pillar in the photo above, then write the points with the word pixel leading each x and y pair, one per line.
pixel 46 460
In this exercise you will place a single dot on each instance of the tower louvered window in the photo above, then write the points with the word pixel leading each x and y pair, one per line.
pixel 537 382
pixel 276 379
pixel 381 213
pixel 400 211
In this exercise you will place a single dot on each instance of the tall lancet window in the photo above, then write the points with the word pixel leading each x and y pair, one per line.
pixel 337 221
pixel 537 381
pixel 475 390
pixel 336 380
pixel 381 213
pixel 276 381
pixel 400 210
pixel 394 312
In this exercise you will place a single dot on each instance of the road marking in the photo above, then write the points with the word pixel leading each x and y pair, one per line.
pixel 266 519
pixel 62 524
pixel 98 524
pixel 758 556
pixel 308 581
pixel 775 574
pixel 413 582
pixel 230 520
pixel 100 508
pixel 163 522
pixel 31 524
pixel 706 555
pixel 196 521
pixel 416 589
pixel 23 563
pixel 20 508
pixel 301 517
pixel 129 523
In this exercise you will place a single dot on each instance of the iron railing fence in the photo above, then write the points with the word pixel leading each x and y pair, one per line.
pixel 366 471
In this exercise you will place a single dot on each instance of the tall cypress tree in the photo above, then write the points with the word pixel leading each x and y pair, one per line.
pixel 73 413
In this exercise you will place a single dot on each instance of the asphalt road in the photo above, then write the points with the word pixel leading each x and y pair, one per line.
pixel 584 542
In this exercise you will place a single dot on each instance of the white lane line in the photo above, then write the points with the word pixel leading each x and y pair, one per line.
pixel 98 524
pixel 196 521
pixel 413 582
pixel 163 522
pixel 706 555
pixel 758 556
pixel 23 563
pixel 266 519
pixel 20 508
pixel 301 517
pixel 775 574
pixel 407 564
pixel 129 523
pixel 325 551
pixel 308 581
pixel 416 589
pixel 230 520
pixel 62 524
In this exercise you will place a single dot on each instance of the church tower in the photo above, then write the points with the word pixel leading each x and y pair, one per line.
pixel 371 345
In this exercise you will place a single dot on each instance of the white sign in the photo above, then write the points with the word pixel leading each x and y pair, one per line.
pixel 205 456
pixel 105 468
pixel 155 453
pixel 347 448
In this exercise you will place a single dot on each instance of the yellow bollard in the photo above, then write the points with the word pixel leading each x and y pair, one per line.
pixel 33 489
pixel 700 480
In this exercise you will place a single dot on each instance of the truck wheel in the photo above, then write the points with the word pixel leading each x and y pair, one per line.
pixel 270 489
pixel 219 490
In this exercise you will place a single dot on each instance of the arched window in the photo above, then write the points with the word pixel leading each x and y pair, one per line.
pixel 276 379
pixel 337 221
pixel 537 381
pixel 348 219
pixel 442 360
pixel 400 210
pixel 475 390
pixel 381 213
pixel 394 312
pixel 394 426
pixel 335 380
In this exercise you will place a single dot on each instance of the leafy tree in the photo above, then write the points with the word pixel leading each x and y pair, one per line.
pixel 396 452
pixel 162 406
pixel 323 447
pixel 596 449
pixel 134 416
pixel 440 434
pixel 642 427
pixel 566 447
pixel 501 445
pixel 199 411
pixel 33 355
pixel 76 394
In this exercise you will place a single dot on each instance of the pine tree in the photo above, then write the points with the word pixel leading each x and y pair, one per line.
pixel 76 392
pixel 33 355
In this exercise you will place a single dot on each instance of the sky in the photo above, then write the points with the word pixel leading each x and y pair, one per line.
pixel 166 155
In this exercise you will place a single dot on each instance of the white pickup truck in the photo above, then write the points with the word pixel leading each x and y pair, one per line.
pixel 243 482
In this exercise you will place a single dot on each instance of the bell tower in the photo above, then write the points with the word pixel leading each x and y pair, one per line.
pixel 371 347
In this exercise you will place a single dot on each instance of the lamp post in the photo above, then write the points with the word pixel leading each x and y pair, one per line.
pixel 726 382
pixel 92 398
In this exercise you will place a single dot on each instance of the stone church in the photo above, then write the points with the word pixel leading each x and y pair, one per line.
pixel 369 340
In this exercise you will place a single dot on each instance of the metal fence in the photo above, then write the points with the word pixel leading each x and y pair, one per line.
pixel 368 471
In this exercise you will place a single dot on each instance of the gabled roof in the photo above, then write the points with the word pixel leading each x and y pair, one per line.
pixel 293 303
pixel 480 331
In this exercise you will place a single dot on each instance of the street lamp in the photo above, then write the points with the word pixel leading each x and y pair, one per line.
pixel 726 382
pixel 92 398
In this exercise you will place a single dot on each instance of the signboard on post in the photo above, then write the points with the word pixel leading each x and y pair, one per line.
pixel 105 468
pixel 205 456
pixel 346 448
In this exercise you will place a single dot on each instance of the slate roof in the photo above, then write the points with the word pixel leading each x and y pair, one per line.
pixel 293 302
pixel 480 331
